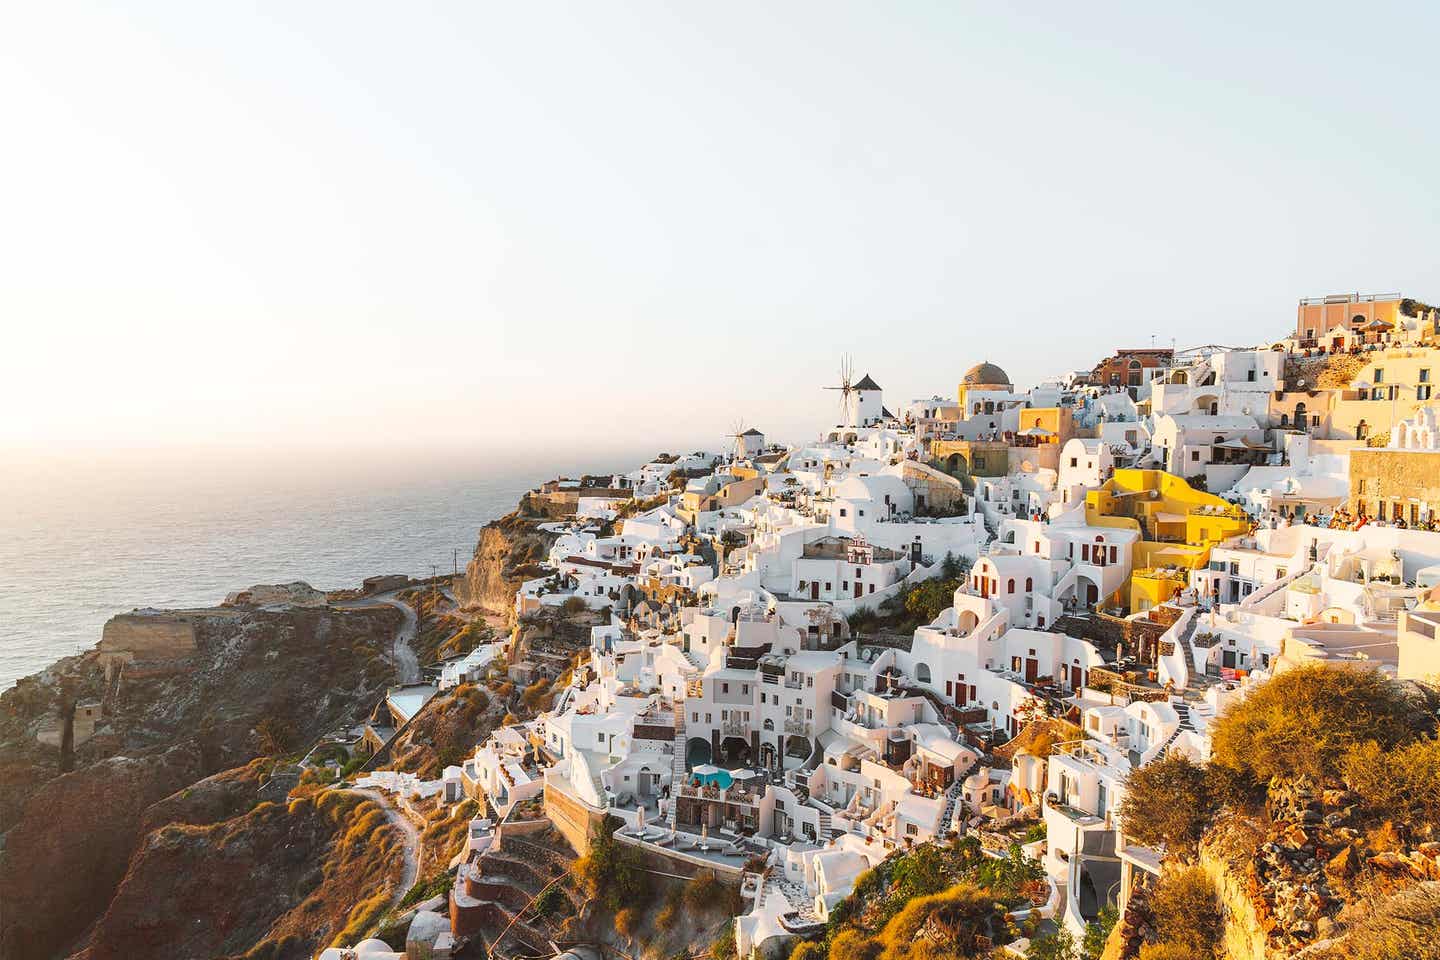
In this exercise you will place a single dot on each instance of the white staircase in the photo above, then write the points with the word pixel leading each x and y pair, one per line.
pixel 677 762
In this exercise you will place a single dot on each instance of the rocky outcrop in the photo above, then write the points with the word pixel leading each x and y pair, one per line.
pixel 508 552
pixel 279 880
pixel 256 681
pixel 67 853
pixel 298 594
pixel 1294 878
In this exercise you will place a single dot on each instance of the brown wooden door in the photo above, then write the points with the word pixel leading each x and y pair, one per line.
pixel 1075 679
pixel 1032 670
pixel 814 589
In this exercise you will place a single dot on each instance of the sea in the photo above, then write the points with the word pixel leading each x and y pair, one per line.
pixel 81 541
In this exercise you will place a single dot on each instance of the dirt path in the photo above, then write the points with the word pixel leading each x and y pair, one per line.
pixel 412 840
pixel 407 664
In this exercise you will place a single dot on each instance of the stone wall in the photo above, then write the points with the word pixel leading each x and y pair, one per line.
pixel 131 637
pixel 1391 476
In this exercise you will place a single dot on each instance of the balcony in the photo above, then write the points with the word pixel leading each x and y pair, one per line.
pixel 735 728
pixel 797 727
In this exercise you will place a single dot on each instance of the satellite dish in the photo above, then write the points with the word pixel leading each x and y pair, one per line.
pixel 1300 382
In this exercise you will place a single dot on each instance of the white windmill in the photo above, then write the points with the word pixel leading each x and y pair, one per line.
pixel 846 388
pixel 737 440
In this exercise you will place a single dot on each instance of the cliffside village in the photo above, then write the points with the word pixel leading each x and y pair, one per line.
pixel 1131 548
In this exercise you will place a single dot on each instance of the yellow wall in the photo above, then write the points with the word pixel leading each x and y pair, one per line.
pixel 1178 526
pixel 1058 421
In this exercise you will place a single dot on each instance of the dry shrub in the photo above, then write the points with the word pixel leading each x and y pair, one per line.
pixel 627 923
pixel 808 950
pixel 1173 951
pixel 1398 784
pixel 1187 911
pixel 1404 925
pixel 1304 721
pixel 958 922
pixel 851 944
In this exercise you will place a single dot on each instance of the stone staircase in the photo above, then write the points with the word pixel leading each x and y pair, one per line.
pixel 952 801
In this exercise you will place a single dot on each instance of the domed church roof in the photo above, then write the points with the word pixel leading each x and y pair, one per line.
pixel 986 374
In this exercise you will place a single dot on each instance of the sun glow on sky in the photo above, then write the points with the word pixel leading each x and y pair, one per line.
pixel 485 226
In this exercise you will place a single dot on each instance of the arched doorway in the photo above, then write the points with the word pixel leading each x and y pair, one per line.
pixel 735 752
pixel 697 752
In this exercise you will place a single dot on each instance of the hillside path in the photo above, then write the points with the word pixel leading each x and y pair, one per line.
pixel 411 836
pixel 407 664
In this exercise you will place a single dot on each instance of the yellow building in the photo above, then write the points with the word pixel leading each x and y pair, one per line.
pixel 1058 424
pixel 1178 527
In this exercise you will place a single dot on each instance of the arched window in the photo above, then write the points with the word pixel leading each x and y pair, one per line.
pixel 1029 584
pixel 1010 585
pixel 1284 419
pixel 922 672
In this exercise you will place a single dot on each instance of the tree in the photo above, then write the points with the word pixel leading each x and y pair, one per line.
pixel 611 872
pixel 927 599
pixel 1059 945
pixel 950 566
pixel 808 950
pixel 917 874
pixel 1167 804
pixel 1092 945
pixel 1303 721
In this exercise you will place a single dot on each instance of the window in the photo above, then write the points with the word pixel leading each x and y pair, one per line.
pixel 1074 461
pixel 827 585
pixel 910 830
pixel 1379 375
pixel 1422 392
pixel 1250 375
pixel 1114 553
pixel 1425 375
pixel 857 573
pixel 724 688
pixel 860 513
pixel 1029 584
pixel 843 513
pixel 1361 487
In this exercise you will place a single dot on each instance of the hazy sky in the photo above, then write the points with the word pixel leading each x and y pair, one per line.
pixel 529 225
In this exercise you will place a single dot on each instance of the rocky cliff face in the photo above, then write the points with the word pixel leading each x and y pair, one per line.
pixel 505 556
pixel 278 881
pixel 67 853
pixel 258 681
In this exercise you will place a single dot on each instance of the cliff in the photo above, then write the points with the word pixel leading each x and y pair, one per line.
pixel 278 881
pixel 178 704
pixel 508 552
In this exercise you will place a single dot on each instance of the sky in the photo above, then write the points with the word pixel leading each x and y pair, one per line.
pixel 290 227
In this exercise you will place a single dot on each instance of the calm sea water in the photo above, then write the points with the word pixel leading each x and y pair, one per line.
pixel 81 542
